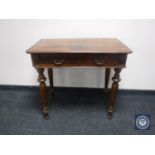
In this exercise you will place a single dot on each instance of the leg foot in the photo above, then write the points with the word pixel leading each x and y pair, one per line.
pixel 109 115
pixel 46 115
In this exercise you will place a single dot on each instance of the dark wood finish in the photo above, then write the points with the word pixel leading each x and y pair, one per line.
pixel 97 52
pixel 86 45
pixel 49 60
pixel 50 76
pixel 43 91
pixel 107 75
pixel 116 79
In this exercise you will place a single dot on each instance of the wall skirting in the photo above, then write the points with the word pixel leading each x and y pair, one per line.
pixel 124 91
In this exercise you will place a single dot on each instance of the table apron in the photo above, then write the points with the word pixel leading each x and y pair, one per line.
pixel 48 60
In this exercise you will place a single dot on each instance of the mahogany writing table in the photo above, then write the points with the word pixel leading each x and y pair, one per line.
pixel 95 52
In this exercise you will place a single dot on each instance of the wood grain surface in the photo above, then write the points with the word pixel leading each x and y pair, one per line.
pixel 94 45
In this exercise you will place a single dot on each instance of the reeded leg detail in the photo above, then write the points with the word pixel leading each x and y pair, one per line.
pixel 107 75
pixel 50 76
pixel 116 79
pixel 43 91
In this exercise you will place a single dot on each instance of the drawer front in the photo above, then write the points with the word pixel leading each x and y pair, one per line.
pixel 102 60
pixel 64 60
pixel 54 60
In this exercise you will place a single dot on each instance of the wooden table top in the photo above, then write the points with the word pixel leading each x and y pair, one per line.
pixel 94 45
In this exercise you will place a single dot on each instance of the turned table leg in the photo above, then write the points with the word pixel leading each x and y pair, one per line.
pixel 50 76
pixel 116 79
pixel 43 91
pixel 107 75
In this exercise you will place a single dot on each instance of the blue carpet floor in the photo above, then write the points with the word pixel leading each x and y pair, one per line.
pixel 73 111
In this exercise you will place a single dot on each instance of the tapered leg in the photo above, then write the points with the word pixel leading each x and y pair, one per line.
pixel 116 79
pixel 50 76
pixel 107 75
pixel 43 91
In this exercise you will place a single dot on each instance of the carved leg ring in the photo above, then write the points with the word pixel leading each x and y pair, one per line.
pixel 116 79
pixel 43 91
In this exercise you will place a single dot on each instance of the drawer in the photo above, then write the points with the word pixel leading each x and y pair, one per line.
pixel 55 60
pixel 102 60
pixel 77 59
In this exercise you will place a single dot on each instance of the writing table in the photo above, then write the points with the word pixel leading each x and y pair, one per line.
pixel 92 52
